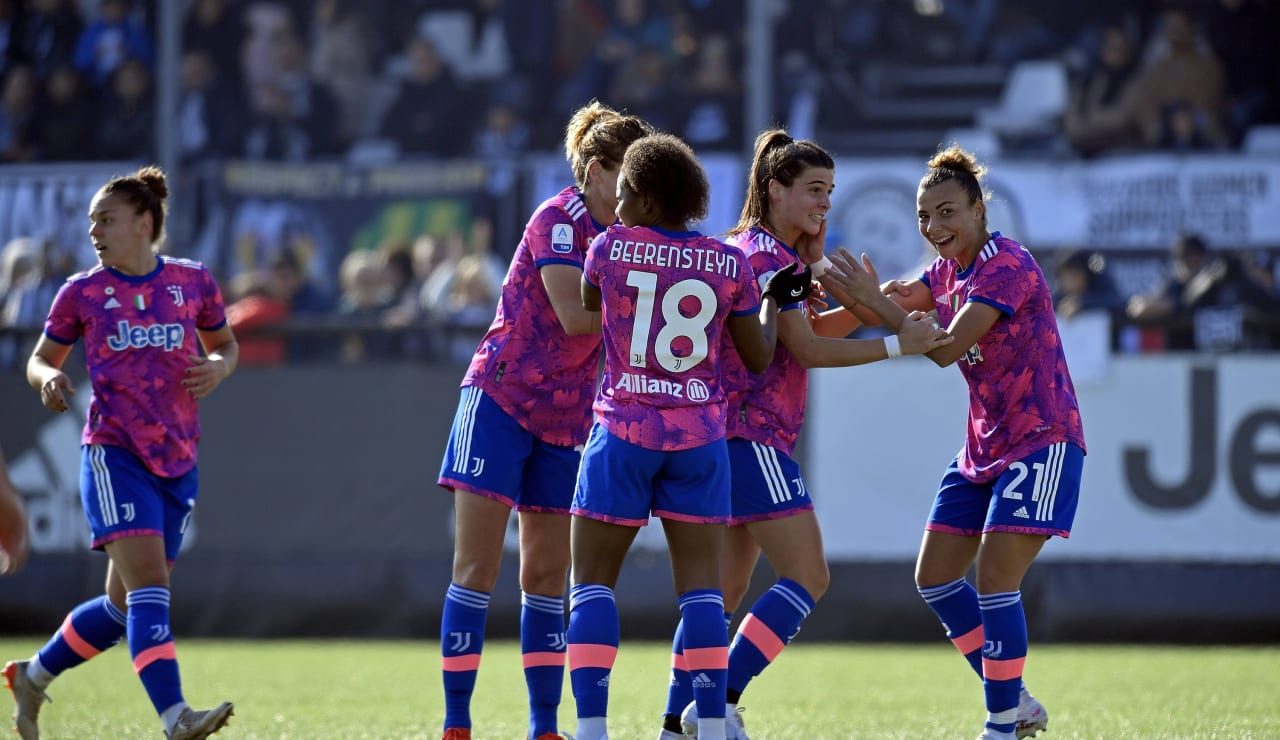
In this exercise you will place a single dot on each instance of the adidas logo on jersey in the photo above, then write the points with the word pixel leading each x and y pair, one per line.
pixel 111 303
pixel 703 681
pixel 1021 513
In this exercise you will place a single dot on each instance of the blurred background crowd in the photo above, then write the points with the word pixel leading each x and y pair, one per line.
pixel 378 81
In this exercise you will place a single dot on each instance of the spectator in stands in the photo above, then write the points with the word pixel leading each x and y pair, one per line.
pixel 504 134
pixel 643 85
pixel 468 307
pixel 419 286
pixel 17 115
pixel 1183 80
pixel 429 114
pixel 206 107
pixel 27 287
pixel 1082 284
pixel 402 314
pixel 311 101
pixel 216 28
pixel 267 23
pixel 48 35
pixel 253 306
pixel 272 130
pixel 713 97
pixel 434 262
pixel 110 38
pixel 1100 113
pixel 306 303
pixel 1199 280
pixel 342 56
pixel 366 297
pixel 65 118
pixel 633 26
pixel 126 128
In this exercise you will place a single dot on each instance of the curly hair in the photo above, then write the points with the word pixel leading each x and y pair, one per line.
pixel 663 168
pixel 145 190
pixel 954 163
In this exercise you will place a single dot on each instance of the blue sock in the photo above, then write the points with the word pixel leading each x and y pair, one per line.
pixel 151 645
pixel 679 691
pixel 1005 625
pixel 956 604
pixel 593 646
pixel 89 629
pixel 774 620
pixel 706 649
pixel 542 642
pixel 461 640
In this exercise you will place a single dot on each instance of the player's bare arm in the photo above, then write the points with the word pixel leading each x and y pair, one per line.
pixel 968 326
pixel 561 283
pixel 44 373
pixel 222 354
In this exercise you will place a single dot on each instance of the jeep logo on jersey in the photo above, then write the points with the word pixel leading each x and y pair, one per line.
pixel 562 238
pixel 169 336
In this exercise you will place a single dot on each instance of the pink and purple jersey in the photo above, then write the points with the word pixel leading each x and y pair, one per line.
pixel 1021 398
pixel 769 407
pixel 526 363
pixel 139 334
pixel 666 298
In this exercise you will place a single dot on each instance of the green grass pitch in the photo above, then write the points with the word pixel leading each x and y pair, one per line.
pixel 390 690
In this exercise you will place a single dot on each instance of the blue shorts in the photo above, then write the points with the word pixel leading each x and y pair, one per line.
pixel 1035 495
pixel 766 483
pixel 122 498
pixel 624 483
pixel 491 455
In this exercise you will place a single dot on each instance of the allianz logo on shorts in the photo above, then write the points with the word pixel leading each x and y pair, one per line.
pixel 169 336
pixel 639 383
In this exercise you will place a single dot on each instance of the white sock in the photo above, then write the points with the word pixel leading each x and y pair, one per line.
pixel 711 728
pixel 592 728
pixel 170 716
pixel 38 674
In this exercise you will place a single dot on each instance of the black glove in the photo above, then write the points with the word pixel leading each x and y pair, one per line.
pixel 789 286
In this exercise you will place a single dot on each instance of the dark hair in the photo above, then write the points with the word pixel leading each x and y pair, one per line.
pixel 954 163
pixel 664 168
pixel 145 190
pixel 596 131
pixel 777 157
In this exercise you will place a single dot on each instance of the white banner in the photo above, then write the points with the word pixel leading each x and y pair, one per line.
pixel 1137 202
pixel 1183 463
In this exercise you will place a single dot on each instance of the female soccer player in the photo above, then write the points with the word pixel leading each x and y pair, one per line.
pixel 144 318
pixel 783 220
pixel 524 414
pixel 1017 479
pixel 657 448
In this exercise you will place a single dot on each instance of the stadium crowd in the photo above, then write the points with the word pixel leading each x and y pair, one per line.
pixel 294 81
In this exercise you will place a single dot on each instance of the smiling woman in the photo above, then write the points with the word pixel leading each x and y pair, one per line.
pixel 1016 481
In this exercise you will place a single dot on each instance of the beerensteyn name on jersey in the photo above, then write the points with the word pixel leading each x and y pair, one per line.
pixel 670 255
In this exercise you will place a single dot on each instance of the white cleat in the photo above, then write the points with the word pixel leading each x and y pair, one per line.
pixel 734 728
pixel 1032 716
